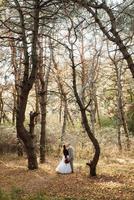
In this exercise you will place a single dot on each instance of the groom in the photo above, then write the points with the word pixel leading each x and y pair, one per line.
pixel 71 156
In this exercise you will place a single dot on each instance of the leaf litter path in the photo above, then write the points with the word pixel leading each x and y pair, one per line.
pixel 114 182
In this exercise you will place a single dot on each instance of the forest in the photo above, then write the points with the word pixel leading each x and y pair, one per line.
pixel 66 100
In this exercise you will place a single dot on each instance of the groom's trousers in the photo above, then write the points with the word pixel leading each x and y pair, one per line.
pixel 72 166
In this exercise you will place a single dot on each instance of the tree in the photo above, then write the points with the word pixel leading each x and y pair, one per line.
pixel 27 82
pixel 24 33
pixel 63 98
pixel 72 38
pixel 109 28
pixel 43 76
pixel 1 105
pixel 121 118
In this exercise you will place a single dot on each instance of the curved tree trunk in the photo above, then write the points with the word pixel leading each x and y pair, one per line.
pixel 23 134
pixel 94 161
pixel 28 79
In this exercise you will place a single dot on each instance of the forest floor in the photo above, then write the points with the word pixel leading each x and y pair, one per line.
pixel 115 180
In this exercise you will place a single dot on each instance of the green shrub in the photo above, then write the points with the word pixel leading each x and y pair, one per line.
pixel 3 195
pixel 107 121
pixel 38 197
pixel 130 121
pixel 16 194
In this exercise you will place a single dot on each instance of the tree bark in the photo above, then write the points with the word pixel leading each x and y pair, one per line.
pixel 121 120
pixel 43 75
pixel 23 134
pixel 43 104
pixel 37 109
pixel 14 105
pixel 1 106
pixel 63 100
pixel 92 137
pixel 29 76
pixel 64 123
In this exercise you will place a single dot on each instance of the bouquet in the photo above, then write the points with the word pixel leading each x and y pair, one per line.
pixel 67 160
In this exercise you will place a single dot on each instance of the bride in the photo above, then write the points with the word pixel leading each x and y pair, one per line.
pixel 64 166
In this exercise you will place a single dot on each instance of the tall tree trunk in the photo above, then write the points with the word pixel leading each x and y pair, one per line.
pixel 63 100
pixel 119 134
pixel 1 106
pixel 60 109
pixel 119 104
pixel 92 108
pixel 23 134
pixel 17 68
pixel 97 111
pixel 29 76
pixel 64 123
pixel 121 120
pixel 14 105
pixel 84 71
pixel 44 73
pixel 85 122
pixel 37 109
pixel 125 130
pixel 43 104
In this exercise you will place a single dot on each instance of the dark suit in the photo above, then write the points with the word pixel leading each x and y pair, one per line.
pixel 71 157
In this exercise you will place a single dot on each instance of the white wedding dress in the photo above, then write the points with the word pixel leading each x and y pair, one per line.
pixel 63 168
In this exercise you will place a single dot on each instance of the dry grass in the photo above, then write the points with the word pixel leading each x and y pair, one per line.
pixel 115 179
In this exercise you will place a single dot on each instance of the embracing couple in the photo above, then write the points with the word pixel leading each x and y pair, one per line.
pixel 66 164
